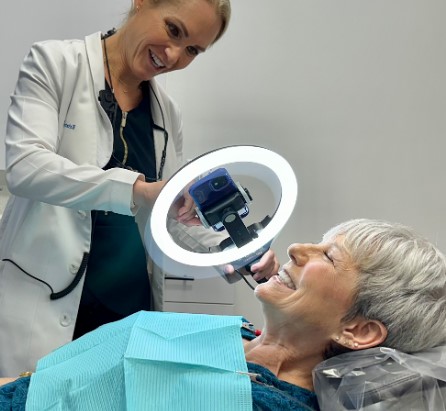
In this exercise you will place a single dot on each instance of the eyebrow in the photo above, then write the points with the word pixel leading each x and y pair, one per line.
pixel 186 34
pixel 338 248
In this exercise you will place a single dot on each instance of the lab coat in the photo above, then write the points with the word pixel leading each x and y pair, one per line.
pixel 58 139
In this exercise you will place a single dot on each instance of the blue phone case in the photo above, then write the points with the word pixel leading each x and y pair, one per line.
pixel 212 189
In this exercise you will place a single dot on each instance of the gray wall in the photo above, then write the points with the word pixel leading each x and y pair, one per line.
pixel 352 93
pixel 24 22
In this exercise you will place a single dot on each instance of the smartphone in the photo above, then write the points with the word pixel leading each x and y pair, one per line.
pixel 216 192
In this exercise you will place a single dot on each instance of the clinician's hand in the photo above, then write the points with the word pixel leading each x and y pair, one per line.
pixel 186 211
pixel 266 267
pixel 184 208
pixel 145 194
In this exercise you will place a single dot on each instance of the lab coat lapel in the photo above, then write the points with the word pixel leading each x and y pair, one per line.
pixel 95 58
pixel 158 110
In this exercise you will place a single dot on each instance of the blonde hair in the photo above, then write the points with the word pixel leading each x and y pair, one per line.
pixel 222 8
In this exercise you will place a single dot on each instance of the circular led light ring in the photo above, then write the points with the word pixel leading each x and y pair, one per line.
pixel 257 158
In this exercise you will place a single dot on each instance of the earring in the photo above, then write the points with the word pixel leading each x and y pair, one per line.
pixel 337 338
pixel 356 345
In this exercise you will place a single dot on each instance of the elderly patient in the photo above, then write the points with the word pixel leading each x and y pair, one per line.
pixel 368 283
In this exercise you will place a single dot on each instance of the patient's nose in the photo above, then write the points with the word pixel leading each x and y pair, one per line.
pixel 299 253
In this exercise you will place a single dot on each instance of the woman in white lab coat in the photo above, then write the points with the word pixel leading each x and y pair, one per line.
pixel 91 138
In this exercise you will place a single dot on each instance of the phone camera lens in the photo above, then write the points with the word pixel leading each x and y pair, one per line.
pixel 219 182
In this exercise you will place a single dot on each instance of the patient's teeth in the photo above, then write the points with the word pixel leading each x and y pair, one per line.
pixel 285 278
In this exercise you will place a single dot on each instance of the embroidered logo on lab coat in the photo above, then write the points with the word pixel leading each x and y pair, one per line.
pixel 69 126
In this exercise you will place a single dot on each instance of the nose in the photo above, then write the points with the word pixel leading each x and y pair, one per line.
pixel 173 54
pixel 299 253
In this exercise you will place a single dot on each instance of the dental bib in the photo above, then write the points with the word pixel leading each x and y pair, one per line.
pixel 148 361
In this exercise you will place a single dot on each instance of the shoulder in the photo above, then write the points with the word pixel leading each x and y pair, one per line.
pixel 50 61
pixel 60 63
pixel 60 53
pixel 268 392
pixel 13 394
pixel 57 48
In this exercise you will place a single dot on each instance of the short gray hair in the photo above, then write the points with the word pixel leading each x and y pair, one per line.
pixel 402 282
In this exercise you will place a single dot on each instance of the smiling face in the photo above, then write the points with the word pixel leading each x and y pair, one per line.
pixel 161 38
pixel 315 288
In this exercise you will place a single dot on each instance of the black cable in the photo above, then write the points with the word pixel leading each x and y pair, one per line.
pixel 65 291
pixel 75 282
pixel 29 275
pixel 80 272
pixel 244 279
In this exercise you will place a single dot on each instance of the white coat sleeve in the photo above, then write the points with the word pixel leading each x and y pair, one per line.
pixel 34 167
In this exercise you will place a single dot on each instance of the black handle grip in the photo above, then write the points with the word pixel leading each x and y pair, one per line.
pixel 173 277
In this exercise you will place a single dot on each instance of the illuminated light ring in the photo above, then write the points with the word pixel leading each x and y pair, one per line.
pixel 254 161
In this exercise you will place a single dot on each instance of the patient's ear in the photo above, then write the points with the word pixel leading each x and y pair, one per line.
pixel 364 333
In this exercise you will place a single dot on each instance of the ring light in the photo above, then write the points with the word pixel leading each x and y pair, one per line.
pixel 254 161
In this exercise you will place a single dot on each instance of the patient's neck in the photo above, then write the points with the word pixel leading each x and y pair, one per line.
pixel 290 359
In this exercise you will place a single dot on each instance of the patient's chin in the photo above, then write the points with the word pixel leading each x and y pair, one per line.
pixel 263 291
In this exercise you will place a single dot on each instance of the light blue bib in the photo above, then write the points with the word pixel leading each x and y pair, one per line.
pixel 148 361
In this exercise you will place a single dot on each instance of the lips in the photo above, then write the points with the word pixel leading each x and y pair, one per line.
pixel 286 279
pixel 156 61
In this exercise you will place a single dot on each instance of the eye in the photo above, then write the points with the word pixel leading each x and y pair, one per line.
pixel 173 30
pixel 328 257
pixel 192 51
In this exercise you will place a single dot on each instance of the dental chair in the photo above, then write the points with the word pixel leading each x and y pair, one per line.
pixel 382 379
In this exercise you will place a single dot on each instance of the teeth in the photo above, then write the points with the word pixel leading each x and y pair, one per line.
pixel 285 278
pixel 158 63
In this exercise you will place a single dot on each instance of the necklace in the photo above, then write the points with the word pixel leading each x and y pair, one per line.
pixel 124 113
pixel 123 90
pixel 155 126
pixel 110 73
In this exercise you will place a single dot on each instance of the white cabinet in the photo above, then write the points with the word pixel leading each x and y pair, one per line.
pixel 204 296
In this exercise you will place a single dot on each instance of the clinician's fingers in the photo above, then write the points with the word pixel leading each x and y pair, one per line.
pixel 186 213
pixel 266 267
pixel 229 269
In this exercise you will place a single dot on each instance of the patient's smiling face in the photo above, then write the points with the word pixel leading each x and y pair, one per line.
pixel 317 285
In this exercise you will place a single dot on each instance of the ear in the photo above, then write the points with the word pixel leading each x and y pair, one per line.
pixel 137 4
pixel 362 333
